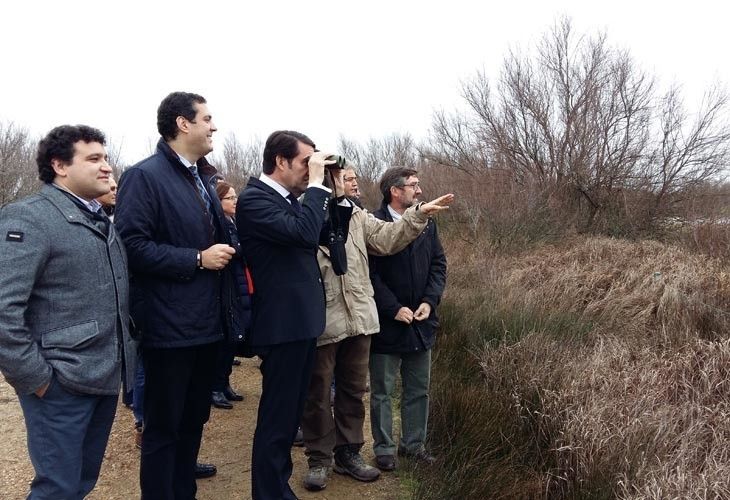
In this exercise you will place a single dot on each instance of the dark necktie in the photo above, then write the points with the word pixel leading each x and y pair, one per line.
pixel 203 192
pixel 294 203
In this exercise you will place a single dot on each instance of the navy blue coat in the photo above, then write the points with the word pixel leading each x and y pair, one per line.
pixel 236 299
pixel 164 222
pixel 414 275
pixel 280 246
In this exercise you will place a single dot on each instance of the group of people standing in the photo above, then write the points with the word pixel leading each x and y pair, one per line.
pixel 194 276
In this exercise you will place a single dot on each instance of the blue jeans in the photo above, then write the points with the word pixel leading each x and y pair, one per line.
pixel 415 371
pixel 67 436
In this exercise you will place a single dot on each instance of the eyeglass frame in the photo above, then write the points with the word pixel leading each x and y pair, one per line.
pixel 414 185
pixel 229 198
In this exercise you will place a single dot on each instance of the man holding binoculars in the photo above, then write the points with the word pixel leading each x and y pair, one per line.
pixel 280 236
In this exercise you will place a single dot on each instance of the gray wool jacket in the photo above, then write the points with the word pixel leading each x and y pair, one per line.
pixel 64 291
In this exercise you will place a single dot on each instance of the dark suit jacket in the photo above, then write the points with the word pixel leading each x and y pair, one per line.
pixel 280 246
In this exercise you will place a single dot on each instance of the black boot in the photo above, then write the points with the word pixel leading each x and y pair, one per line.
pixel 204 470
pixel 231 395
pixel 219 400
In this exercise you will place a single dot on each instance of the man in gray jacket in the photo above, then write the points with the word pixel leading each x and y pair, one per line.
pixel 64 313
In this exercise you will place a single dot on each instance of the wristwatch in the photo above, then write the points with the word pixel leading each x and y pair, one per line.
pixel 200 260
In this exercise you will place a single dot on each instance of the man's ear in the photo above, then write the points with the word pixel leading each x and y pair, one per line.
pixel 394 192
pixel 182 124
pixel 281 162
pixel 59 167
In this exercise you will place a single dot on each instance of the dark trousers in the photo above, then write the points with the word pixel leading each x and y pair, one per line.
pixel 347 361
pixel 178 382
pixel 224 365
pixel 138 393
pixel 67 436
pixel 286 369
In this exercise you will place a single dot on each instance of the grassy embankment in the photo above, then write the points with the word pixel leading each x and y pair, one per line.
pixel 593 368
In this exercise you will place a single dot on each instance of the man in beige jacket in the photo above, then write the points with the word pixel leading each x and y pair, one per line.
pixel 344 347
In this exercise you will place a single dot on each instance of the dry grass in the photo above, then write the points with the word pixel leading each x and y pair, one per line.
pixel 646 288
pixel 593 369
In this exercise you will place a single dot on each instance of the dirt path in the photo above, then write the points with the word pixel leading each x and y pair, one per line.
pixel 226 443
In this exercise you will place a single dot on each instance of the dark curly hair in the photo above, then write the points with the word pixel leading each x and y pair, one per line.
pixel 172 106
pixel 59 144
pixel 283 143
pixel 394 176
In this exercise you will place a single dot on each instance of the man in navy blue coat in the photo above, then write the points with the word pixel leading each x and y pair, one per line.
pixel 280 238
pixel 408 286
pixel 173 227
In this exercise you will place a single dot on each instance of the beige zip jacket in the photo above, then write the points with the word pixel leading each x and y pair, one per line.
pixel 350 305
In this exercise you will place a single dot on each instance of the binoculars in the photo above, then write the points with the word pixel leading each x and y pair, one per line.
pixel 339 162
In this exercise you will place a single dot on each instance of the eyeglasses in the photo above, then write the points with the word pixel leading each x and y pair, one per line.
pixel 349 179
pixel 229 198
pixel 414 185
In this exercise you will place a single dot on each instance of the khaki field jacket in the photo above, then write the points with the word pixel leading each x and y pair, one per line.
pixel 350 305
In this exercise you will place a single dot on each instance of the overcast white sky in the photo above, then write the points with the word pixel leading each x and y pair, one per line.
pixel 324 68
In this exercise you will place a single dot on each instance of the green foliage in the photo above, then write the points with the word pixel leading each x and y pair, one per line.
pixel 490 438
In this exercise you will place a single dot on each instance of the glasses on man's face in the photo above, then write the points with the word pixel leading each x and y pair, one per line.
pixel 349 179
pixel 229 198
pixel 414 185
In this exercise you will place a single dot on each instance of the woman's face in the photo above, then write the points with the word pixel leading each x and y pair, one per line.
pixel 229 203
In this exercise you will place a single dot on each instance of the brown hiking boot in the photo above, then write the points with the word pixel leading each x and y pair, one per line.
pixel 351 463
pixel 316 478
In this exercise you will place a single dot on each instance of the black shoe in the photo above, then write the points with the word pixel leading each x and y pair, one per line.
pixel 219 400
pixel 231 395
pixel 420 456
pixel 385 462
pixel 204 470
pixel 299 439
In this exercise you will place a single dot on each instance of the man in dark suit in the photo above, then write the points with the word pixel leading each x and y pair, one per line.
pixel 280 238
pixel 173 226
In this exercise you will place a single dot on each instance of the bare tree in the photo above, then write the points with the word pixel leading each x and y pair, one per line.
pixel 689 151
pixel 576 119
pixel 376 155
pixel 239 161
pixel 18 169
pixel 114 152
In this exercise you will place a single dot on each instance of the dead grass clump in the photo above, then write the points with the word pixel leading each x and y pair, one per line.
pixel 653 424
pixel 595 369
pixel 633 289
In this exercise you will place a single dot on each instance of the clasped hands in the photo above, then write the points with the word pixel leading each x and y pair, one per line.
pixel 407 316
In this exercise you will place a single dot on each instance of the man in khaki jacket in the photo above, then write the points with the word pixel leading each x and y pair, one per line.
pixel 344 347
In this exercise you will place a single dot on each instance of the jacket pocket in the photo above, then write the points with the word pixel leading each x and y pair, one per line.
pixel 70 337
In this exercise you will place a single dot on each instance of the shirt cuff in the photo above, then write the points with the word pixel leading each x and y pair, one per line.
pixel 319 185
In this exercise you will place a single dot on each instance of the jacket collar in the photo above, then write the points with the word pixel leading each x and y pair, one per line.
pixel 384 212
pixel 205 169
pixel 258 184
pixel 68 209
